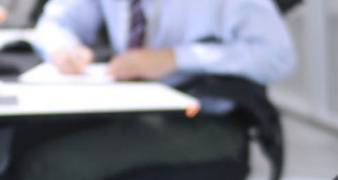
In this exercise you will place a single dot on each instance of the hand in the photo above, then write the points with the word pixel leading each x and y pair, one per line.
pixel 149 64
pixel 74 61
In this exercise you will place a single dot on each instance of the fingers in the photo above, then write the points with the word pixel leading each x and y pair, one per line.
pixel 62 60
pixel 73 62
pixel 67 64
pixel 85 55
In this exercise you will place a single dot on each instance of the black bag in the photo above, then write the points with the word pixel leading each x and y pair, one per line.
pixel 255 110
pixel 286 5
pixel 201 171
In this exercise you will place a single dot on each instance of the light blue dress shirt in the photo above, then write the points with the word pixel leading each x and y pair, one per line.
pixel 254 42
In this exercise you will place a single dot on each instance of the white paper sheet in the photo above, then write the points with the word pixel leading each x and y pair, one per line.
pixel 48 74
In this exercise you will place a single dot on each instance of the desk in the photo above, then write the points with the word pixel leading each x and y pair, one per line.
pixel 50 99
pixel 77 99
pixel 43 112
pixel 48 111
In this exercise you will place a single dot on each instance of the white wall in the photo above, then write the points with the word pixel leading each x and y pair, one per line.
pixel 312 91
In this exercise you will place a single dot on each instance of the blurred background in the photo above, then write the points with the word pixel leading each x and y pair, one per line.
pixel 22 12
pixel 308 99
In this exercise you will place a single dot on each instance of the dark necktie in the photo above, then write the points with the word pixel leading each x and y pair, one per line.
pixel 137 26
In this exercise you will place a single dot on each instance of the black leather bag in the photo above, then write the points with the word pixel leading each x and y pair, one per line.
pixel 253 110
pixel 286 5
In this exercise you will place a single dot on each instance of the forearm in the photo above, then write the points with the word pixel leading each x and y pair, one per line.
pixel 254 43
pixel 50 38
pixel 258 62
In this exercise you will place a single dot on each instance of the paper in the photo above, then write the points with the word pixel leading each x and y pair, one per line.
pixel 116 97
pixel 48 74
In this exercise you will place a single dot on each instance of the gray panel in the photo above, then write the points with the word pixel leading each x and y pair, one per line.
pixel 19 12
pixel 297 82
pixel 333 64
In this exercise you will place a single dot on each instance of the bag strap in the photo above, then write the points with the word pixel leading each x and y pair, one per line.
pixel 286 5
pixel 251 98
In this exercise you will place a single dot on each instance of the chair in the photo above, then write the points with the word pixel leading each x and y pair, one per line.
pixel 38 10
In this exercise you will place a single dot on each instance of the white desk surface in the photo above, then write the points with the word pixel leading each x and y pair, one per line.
pixel 106 98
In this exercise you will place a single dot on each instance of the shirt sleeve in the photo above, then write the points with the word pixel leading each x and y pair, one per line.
pixel 65 24
pixel 258 47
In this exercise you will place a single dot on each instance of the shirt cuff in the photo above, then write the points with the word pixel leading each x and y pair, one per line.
pixel 48 40
pixel 199 57
pixel 185 59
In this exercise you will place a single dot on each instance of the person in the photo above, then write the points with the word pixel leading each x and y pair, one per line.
pixel 3 14
pixel 164 41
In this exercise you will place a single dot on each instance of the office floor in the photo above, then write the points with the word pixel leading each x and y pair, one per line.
pixel 312 153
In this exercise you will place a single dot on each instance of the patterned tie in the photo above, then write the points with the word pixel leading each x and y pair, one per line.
pixel 137 25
